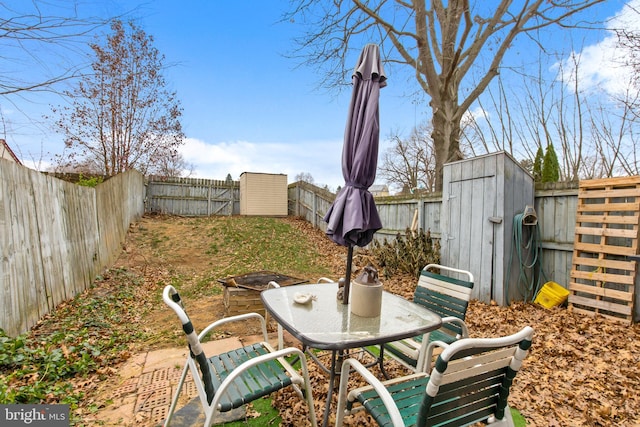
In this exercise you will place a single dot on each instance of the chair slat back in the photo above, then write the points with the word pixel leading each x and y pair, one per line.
pixel 445 296
pixel 459 289
pixel 471 366
pixel 255 382
pixel 472 379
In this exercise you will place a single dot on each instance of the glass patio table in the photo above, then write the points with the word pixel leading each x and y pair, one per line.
pixel 328 324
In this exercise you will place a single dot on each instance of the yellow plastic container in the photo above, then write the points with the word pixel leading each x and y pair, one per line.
pixel 551 295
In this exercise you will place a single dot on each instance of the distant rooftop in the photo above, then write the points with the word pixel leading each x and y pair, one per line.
pixel 379 190
pixel 7 153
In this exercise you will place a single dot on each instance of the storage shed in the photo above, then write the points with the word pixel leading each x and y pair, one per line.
pixel 480 198
pixel 263 194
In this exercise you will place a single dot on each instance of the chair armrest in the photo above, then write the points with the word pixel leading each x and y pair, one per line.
pixel 273 284
pixel 429 354
pixel 425 354
pixel 384 394
pixel 459 322
pixel 325 280
pixel 236 318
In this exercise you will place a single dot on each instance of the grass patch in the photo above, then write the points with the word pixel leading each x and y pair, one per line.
pixel 518 419
pixel 269 416
pixel 273 245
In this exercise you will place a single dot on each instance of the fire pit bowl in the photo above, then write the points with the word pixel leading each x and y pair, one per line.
pixel 242 293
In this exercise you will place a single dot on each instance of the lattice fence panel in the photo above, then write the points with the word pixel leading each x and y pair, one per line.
pixel 607 231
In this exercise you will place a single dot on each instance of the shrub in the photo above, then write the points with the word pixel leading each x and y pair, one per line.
pixel 407 253
pixel 89 181
pixel 550 166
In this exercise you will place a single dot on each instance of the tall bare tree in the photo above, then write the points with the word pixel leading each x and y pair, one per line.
pixel 122 116
pixel 410 162
pixel 171 165
pixel 629 41
pixel 595 132
pixel 448 45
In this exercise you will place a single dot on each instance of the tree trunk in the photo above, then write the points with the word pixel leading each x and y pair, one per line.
pixel 446 136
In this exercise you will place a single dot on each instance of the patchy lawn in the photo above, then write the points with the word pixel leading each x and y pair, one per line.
pixel 581 370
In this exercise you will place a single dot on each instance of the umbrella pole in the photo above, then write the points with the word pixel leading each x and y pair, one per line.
pixel 347 279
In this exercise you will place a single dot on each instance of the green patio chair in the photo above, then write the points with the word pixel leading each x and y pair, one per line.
pixel 230 380
pixel 470 383
pixel 444 295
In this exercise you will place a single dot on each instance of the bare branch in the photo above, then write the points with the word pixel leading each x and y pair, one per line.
pixel 440 41
pixel 34 34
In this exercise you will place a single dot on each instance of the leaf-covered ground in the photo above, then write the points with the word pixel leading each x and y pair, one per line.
pixel 581 371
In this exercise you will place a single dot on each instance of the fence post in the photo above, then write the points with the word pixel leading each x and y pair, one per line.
pixel 315 209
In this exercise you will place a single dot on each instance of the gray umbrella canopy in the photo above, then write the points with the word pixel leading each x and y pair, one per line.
pixel 353 218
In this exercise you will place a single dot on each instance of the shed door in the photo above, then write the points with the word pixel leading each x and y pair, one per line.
pixel 469 218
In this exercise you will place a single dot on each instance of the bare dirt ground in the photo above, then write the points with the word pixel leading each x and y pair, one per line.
pixel 581 371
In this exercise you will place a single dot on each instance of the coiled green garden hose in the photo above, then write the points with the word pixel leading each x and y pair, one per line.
pixel 528 282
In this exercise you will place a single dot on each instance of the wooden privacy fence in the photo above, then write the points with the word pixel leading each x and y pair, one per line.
pixel 192 196
pixel 555 205
pixel 55 237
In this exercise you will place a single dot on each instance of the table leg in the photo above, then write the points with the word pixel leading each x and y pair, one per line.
pixel 332 379
pixel 381 362
pixel 335 356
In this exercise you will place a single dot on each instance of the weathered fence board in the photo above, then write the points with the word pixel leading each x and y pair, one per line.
pixel 309 202
pixel 55 237
pixel 556 210
pixel 192 196
pixel 397 215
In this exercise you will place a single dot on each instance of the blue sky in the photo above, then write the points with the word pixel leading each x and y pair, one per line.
pixel 259 109
pixel 247 108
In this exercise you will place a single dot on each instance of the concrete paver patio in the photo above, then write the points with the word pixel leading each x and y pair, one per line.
pixel 147 383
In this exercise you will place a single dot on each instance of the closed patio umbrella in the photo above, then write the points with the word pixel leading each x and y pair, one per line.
pixel 353 218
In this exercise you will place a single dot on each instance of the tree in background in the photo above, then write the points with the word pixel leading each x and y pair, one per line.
pixel 122 116
pixel 537 165
pixel 550 166
pixel 304 176
pixel 171 165
pixel 629 41
pixel 410 162
pixel 454 48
